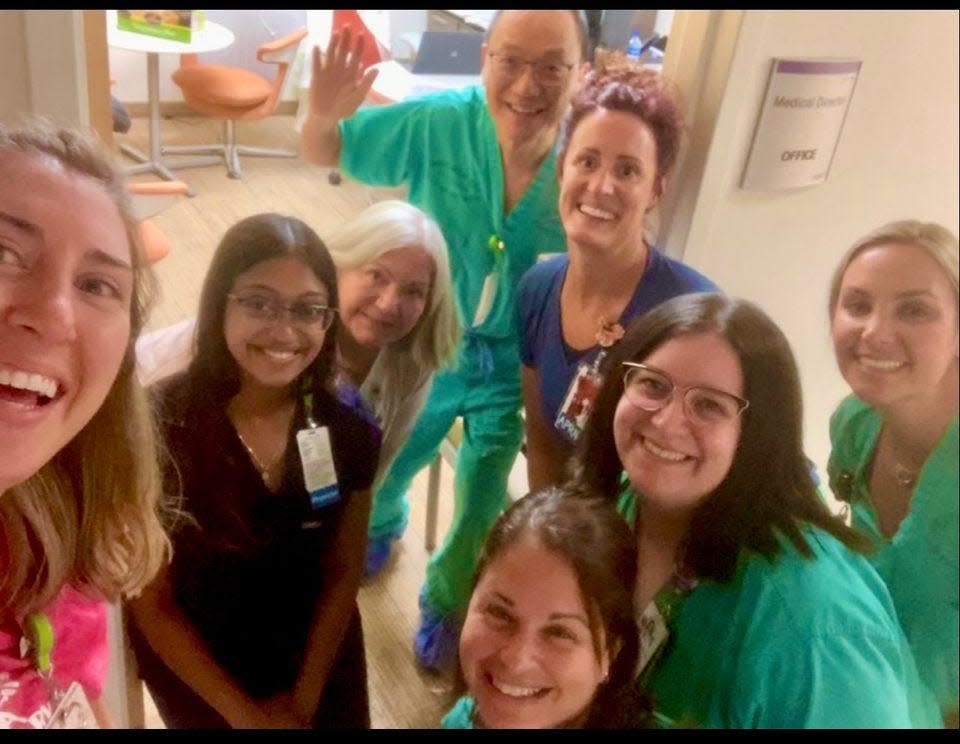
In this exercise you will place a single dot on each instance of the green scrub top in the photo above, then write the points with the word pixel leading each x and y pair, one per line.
pixel 789 643
pixel 460 716
pixel 920 562
pixel 444 148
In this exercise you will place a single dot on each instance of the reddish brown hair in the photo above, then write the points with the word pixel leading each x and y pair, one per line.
pixel 634 90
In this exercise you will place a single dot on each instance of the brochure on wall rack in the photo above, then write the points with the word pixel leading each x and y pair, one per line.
pixel 800 123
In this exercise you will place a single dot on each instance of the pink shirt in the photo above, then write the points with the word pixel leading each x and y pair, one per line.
pixel 80 653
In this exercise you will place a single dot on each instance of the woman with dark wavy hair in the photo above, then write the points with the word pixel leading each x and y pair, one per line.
pixel 759 609
pixel 256 623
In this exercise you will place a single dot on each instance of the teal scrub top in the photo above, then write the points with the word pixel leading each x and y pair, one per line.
pixel 460 716
pixel 789 643
pixel 920 562
pixel 444 148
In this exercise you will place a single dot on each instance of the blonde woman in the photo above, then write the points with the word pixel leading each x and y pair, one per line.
pixel 78 472
pixel 894 321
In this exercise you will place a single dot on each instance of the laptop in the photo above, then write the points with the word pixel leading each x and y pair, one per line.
pixel 448 53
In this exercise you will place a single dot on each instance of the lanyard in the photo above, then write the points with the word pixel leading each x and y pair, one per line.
pixel 308 410
pixel 38 634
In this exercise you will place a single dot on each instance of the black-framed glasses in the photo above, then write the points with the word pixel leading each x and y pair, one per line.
pixel 312 315
pixel 546 73
pixel 651 389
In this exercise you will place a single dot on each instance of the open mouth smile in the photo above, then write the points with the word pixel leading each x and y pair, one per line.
pixel 27 389
pixel 883 365
pixel 663 453
pixel 516 691
pixel 596 212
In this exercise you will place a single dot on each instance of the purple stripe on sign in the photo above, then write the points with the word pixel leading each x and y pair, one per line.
pixel 817 68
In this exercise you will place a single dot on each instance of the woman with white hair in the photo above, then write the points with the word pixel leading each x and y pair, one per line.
pixel 398 326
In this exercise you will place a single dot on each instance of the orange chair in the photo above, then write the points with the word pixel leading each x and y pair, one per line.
pixel 150 198
pixel 234 94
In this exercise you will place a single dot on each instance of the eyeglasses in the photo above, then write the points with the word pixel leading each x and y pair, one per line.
pixel 651 390
pixel 546 73
pixel 310 315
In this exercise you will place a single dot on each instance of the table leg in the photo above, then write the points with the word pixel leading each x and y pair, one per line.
pixel 153 95
pixel 152 163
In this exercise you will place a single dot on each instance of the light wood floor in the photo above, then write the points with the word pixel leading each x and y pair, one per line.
pixel 401 696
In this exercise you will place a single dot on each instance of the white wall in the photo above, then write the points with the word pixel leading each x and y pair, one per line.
pixel 44 66
pixel 897 158
pixel 15 83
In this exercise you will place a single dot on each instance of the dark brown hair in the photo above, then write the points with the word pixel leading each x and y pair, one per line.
pixel 587 531
pixel 251 241
pixel 769 489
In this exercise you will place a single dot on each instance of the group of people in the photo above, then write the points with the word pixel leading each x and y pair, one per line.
pixel 675 564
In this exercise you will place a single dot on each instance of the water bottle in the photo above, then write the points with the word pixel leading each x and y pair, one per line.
pixel 634 46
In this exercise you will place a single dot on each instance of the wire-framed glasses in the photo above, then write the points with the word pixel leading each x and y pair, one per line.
pixel 312 315
pixel 650 389
pixel 546 72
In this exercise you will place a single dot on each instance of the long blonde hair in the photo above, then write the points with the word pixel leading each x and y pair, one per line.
pixel 91 516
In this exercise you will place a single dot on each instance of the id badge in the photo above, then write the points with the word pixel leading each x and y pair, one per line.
pixel 653 634
pixel 316 459
pixel 72 710
pixel 578 403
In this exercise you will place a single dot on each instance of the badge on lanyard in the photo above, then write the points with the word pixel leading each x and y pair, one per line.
pixel 316 459
pixel 653 635
pixel 583 391
pixel 489 290
pixel 585 387
pixel 71 708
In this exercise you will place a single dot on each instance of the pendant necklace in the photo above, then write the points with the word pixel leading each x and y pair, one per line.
pixel 906 478
pixel 608 332
pixel 257 463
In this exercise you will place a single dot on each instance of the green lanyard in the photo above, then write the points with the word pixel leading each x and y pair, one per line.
pixel 38 632
pixel 308 410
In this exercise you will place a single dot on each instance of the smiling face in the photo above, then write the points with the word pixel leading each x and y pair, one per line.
pixel 526 648
pixel 895 325
pixel 672 461
pixel 608 181
pixel 274 353
pixel 382 301
pixel 522 108
pixel 66 285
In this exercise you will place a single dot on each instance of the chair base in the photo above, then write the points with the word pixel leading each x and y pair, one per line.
pixel 228 151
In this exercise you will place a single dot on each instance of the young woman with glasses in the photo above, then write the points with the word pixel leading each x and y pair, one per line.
pixel 618 144
pixel 255 624
pixel 756 607
pixel 397 327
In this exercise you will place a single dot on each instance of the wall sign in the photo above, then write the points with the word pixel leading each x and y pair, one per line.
pixel 803 113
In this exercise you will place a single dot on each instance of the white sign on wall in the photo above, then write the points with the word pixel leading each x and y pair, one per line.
pixel 803 113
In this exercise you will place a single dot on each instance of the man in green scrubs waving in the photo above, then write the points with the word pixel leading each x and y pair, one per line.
pixel 481 162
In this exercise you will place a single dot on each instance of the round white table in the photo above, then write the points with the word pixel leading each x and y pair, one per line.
pixel 210 39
